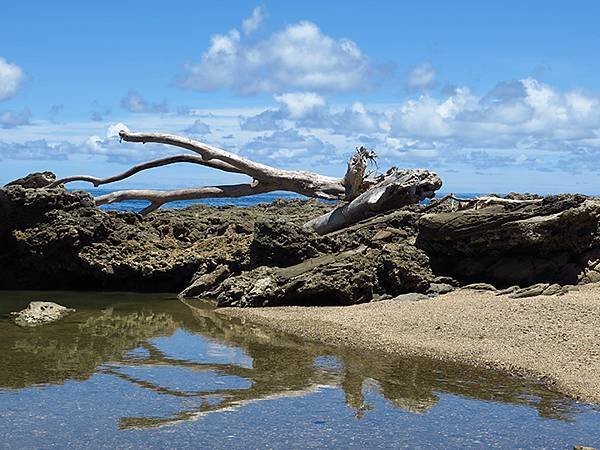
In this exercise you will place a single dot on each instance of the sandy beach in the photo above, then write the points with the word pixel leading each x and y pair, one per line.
pixel 553 338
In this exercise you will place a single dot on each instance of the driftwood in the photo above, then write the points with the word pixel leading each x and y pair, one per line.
pixel 480 202
pixel 363 196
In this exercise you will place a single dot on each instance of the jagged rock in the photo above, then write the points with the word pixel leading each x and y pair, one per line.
pixel 40 313
pixel 203 284
pixel 34 180
pixel 58 239
pixel 340 279
pixel 403 268
pixel 282 243
pixel 514 243
pixel 261 255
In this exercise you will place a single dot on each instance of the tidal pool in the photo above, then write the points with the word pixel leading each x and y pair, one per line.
pixel 146 371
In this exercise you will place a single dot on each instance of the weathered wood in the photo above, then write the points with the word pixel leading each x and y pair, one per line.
pixel 159 198
pixel 306 183
pixel 354 178
pixel 96 181
pixel 397 188
pixel 367 196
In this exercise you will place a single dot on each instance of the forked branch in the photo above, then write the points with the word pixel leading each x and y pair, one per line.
pixel 159 198
pixel 144 166
pixel 364 196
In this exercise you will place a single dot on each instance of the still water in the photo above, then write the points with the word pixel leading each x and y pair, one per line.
pixel 149 371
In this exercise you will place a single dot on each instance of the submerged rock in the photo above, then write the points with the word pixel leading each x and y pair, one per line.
pixel 40 313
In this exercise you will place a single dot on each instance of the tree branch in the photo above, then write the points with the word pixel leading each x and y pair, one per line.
pixel 159 198
pixel 305 183
pixel 144 166
pixel 397 188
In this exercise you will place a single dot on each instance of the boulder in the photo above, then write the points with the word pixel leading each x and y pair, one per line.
pixel 34 180
pixel 514 243
pixel 40 313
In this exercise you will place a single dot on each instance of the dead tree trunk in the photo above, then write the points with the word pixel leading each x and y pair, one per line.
pixel 363 196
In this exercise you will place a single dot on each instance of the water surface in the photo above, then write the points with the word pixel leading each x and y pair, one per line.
pixel 139 370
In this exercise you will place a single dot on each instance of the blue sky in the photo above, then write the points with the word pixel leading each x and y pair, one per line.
pixel 494 97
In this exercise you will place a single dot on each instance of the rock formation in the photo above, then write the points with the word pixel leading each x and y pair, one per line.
pixel 263 255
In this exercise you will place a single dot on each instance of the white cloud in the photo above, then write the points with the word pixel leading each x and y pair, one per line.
pixel 310 110
pixel 421 76
pixel 301 104
pixel 11 77
pixel 298 57
pixel 135 103
pixel 114 129
pixel 519 113
pixel 253 23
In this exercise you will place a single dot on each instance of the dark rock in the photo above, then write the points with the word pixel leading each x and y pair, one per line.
pixel 204 284
pixel 40 313
pixel 340 279
pixel 403 268
pixel 34 180
pixel 514 243
pixel 439 289
pixel 281 243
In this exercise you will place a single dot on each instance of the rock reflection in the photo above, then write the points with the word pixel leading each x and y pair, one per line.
pixel 123 344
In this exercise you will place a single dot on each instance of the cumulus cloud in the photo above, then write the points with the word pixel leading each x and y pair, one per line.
pixel 11 119
pixel 300 56
pixel 114 129
pixel 521 113
pixel 198 127
pixel 135 103
pixel 310 110
pixel 253 23
pixel 11 77
pixel 421 76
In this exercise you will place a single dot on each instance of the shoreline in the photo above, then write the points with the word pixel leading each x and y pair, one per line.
pixel 555 339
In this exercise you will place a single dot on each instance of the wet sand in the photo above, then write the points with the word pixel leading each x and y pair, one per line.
pixel 556 338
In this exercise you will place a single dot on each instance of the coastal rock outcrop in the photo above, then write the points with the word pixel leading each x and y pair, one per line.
pixel 262 255
pixel 552 240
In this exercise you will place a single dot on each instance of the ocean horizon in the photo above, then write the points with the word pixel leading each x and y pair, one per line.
pixel 251 200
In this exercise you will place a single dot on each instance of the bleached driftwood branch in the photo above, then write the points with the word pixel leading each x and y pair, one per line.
pixel 159 198
pixel 144 166
pixel 366 196
pixel 395 189
pixel 306 183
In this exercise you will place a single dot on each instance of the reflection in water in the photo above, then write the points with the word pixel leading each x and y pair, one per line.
pixel 190 352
